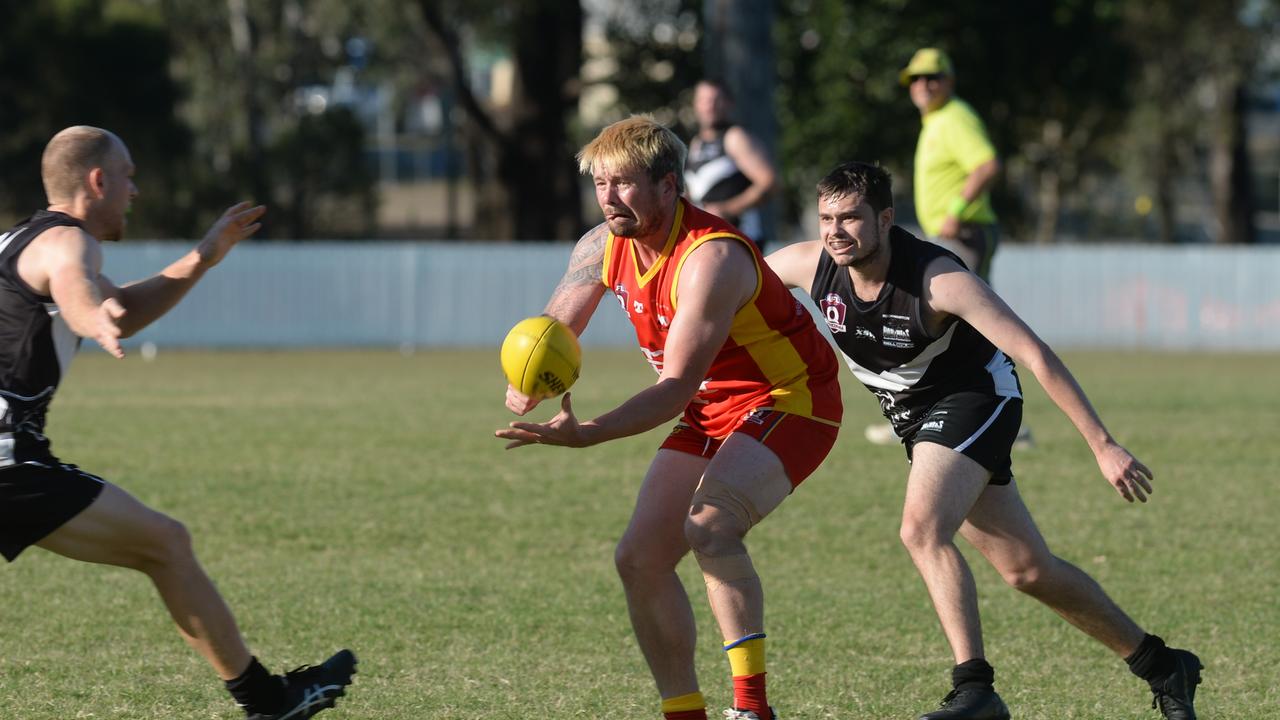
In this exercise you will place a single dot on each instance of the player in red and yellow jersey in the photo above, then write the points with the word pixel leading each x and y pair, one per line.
pixel 743 364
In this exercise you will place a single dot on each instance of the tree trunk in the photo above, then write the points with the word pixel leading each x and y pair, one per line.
pixel 244 45
pixel 537 166
pixel 1229 172
pixel 525 178
pixel 1050 192
pixel 738 48
pixel 1164 170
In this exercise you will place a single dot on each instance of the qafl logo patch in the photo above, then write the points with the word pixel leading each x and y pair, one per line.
pixel 834 311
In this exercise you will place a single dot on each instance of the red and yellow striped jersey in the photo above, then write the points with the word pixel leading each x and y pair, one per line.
pixel 775 356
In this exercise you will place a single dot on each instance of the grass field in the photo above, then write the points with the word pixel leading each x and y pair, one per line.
pixel 359 499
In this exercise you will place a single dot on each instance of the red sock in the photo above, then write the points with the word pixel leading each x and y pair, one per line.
pixel 699 714
pixel 748 694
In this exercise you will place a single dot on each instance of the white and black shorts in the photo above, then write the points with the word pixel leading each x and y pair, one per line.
pixel 37 498
pixel 980 426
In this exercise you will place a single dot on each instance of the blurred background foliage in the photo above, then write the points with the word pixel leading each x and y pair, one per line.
pixel 1115 119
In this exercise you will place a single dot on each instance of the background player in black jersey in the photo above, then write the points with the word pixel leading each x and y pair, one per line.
pixel 929 339
pixel 52 293
pixel 728 171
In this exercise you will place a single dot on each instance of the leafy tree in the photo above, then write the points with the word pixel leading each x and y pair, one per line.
pixel 90 62
pixel 521 159
pixel 246 64
pixel 652 49
pixel 1050 102
pixel 1197 59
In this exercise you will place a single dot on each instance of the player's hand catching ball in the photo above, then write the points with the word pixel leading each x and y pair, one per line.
pixel 563 429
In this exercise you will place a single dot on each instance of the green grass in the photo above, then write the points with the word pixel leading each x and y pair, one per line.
pixel 359 499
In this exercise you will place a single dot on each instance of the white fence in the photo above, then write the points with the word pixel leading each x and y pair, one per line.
pixel 467 295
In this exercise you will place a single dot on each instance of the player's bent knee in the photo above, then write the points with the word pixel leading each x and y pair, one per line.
pixel 167 542
pixel 918 536
pixel 719 508
pixel 639 562
pixel 1025 577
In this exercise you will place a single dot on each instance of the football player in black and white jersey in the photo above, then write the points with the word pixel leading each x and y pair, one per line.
pixel 934 344
pixel 52 293
pixel 727 171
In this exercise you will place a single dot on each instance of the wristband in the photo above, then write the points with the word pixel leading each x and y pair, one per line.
pixel 957 206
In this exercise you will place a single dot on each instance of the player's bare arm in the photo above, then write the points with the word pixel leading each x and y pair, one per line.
pixel 753 160
pixel 795 264
pixel 715 282
pixel 574 299
pixel 148 300
pixel 579 291
pixel 953 290
pixel 64 263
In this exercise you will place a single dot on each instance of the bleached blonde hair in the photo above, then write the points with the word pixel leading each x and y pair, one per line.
pixel 637 143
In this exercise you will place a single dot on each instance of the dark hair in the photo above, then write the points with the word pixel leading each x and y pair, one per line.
pixel 872 182
pixel 719 84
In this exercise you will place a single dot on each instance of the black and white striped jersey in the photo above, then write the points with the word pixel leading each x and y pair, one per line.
pixel 710 175
pixel 888 348
pixel 36 346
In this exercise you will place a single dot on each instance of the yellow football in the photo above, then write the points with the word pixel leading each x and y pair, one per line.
pixel 541 357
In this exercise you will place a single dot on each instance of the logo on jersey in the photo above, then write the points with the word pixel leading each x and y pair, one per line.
pixel 893 412
pixel 663 321
pixel 638 307
pixel 862 333
pixel 932 425
pixel 654 357
pixel 896 335
pixel 834 311
pixel 620 292
pixel 757 416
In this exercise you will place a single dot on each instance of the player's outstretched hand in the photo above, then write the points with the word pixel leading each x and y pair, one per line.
pixel 563 429
pixel 237 223
pixel 1129 477
pixel 107 330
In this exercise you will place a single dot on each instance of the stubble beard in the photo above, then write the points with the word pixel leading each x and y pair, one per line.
pixel 859 263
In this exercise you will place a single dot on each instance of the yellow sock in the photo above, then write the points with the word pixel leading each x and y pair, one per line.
pixel 746 656
pixel 684 703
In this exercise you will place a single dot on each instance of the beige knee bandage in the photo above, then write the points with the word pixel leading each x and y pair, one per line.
pixel 720 570
pixel 747 506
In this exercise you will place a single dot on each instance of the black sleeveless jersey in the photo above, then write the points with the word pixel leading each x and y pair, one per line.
pixel 888 348
pixel 710 175
pixel 36 346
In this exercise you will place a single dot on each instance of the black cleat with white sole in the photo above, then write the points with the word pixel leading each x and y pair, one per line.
pixel 308 690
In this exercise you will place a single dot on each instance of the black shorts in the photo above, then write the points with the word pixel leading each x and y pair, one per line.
pixel 37 498
pixel 980 426
pixel 982 239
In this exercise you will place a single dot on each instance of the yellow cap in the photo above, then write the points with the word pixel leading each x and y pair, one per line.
pixel 926 61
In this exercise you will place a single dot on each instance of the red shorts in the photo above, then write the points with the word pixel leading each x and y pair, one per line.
pixel 801 443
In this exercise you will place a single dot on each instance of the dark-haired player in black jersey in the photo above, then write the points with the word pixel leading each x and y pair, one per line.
pixel 935 344
pixel 52 293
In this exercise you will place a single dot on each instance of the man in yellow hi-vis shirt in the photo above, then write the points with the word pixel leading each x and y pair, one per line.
pixel 955 164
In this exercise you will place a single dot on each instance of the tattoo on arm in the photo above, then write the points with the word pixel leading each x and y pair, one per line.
pixel 587 261
pixel 586 268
